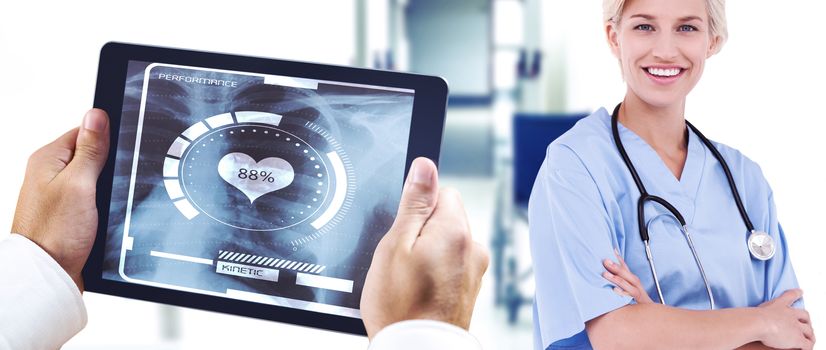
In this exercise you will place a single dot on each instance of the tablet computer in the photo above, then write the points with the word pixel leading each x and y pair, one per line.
pixel 252 186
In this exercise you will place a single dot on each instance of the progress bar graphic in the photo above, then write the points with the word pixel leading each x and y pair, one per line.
pixel 265 268
pixel 269 262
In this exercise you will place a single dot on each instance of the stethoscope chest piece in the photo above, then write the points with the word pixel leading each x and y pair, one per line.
pixel 761 245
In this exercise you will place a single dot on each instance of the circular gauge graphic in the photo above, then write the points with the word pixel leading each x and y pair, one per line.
pixel 258 171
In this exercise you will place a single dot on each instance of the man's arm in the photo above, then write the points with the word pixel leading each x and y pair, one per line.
pixel 40 305
pixel 423 335
pixel 56 218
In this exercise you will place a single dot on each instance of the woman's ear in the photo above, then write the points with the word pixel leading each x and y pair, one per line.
pixel 611 35
pixel 714 45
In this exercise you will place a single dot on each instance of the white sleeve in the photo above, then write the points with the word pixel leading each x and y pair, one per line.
pixel 423 335
pixel 40 305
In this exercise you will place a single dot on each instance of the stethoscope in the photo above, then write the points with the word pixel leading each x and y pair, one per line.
pixel 760 244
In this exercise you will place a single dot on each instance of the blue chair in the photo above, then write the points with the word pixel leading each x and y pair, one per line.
pixel 532 133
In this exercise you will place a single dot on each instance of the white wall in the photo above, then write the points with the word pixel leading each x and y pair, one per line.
pixel 763 94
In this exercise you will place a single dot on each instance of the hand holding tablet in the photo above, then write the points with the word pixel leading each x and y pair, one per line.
pixel 252 186
pixel 56 208
pixel 426 267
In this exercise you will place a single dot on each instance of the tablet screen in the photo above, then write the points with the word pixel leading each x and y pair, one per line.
pixel 264 188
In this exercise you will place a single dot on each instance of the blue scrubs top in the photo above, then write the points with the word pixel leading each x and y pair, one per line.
pixel 584 204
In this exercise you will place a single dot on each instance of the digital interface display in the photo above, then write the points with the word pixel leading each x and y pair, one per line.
pixel 265 188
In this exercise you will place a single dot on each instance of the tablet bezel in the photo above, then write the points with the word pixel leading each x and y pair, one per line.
pixel 426 130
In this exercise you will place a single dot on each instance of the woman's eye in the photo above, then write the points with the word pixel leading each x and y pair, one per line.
pixel 644 27
pixel 687 28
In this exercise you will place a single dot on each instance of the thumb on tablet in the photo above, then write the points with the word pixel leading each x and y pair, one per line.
pixel 419 197
pixel 92 145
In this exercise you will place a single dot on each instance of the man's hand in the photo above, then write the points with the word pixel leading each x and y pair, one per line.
pixel 427 266
pixel 56 208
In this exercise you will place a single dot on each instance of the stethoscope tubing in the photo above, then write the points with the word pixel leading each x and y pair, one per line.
pixel 732 186
pixel 645 196
pixel 641 187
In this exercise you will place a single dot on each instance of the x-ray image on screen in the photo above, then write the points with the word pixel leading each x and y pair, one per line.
pixel 272 189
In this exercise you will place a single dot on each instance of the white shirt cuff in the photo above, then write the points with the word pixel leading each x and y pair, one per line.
pixel 41 306
pixel 423 335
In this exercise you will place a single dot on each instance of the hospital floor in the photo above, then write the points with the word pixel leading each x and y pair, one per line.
pixel 118 323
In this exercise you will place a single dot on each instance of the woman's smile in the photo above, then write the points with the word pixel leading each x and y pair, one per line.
pixel 664 75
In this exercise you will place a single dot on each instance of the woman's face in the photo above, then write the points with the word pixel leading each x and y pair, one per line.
pixel 662 46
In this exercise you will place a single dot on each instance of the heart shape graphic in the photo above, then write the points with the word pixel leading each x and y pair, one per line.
pixel 245 174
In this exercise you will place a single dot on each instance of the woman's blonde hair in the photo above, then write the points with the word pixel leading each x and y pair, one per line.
pixel 612 11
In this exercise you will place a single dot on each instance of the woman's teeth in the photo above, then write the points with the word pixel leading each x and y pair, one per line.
pixel 660 72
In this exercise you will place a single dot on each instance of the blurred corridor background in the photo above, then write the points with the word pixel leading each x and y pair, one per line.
pixel 520 72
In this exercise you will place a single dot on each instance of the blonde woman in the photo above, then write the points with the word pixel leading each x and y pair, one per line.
pixel 690 222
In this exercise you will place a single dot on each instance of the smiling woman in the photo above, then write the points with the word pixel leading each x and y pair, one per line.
pixel 662 51
pixel 644 183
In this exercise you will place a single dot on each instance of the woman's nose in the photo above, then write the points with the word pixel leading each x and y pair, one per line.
pixel 665 47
